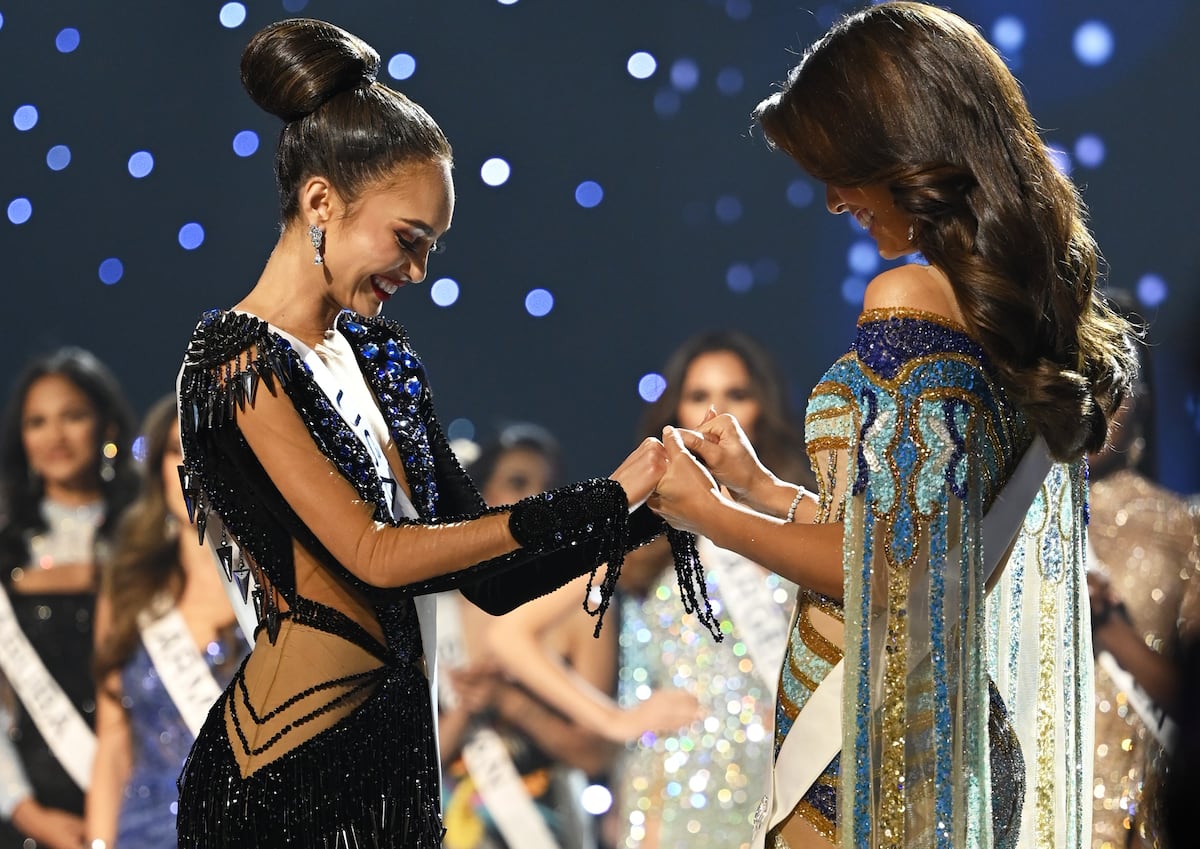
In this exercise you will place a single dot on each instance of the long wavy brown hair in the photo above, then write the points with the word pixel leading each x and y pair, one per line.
pixel 146 560
pixel 913 97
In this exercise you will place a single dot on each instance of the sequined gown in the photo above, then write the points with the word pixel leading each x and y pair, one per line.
pixel 702 783
pixel 161 741
pixel 1148 540
pixel 325 737
pixel 962 711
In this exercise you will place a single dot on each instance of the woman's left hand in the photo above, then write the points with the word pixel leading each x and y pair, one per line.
pixel 686 491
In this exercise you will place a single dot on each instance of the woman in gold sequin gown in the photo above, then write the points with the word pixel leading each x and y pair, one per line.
pixel 942 617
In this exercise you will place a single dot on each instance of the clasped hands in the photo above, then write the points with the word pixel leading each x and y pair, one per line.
pixel 687 475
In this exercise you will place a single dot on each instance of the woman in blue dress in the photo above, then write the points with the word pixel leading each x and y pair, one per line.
pixel 936 691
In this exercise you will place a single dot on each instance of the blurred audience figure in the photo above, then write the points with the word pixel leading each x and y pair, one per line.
pixel 704 782
pixel 513 768
pixel 66 475
pixel 166 646
pixel 1144 589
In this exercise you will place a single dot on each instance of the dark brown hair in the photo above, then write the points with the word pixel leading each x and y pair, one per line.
pixel 339 122
pixel 21 491
pixel 146 560
pixel 778 440
pixel 913 97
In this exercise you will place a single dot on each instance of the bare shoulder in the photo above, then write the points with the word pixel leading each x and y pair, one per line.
pixel 914 287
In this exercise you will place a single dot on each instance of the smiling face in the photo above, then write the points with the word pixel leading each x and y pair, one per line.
pixel 59 435
pixel 875 210
pixel 383 240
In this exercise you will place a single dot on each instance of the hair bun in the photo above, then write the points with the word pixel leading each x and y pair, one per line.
pixel 291 67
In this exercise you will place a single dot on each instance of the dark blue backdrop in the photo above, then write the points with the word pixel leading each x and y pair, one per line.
pixel 699 226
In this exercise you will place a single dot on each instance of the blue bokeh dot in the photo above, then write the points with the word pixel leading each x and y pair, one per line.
pixel 294 5
pixel 730 81
pixel 401 66
pixel 1008 33
pixel 1 20
pixel 853 290
pixel 738 10
pixel 232 15
pixel 111 270
pixel 588 194
pixel 58 157
pixel 1090 150
pixel 728 209
pixel 67 40
pixel 1093 43
pixel 25 117
pixel 444 291
pixel 495 171
pixel 666 102
pixel 800 193
pixel 191 236
pixel 1151 290
pixel 685 74
pixel 739 277
pixel 863 257
pixel 19 210
pixel 245 143
pixel 539 302
pixel 141 164
pixel 138 449
pixel 651 386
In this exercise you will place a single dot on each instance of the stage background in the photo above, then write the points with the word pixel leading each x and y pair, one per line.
pixel 699 225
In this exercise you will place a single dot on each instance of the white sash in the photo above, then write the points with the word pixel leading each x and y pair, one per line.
pixel 66 732
pixel 758 620
pixel 486 757
pixel 180 666
pixel 816 735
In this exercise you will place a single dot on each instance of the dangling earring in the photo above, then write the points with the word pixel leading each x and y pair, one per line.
pixel 317 236
pixel 910 232
pixel 108 462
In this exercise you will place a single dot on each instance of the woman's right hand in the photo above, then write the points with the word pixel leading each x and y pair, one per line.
pixel 664 711
pixel 721 443
pixel 641 471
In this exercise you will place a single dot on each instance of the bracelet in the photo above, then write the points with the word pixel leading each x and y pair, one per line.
pixel 791 513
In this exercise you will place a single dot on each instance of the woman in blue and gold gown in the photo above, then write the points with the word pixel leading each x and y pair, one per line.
pixel 936 690
pixel 316 466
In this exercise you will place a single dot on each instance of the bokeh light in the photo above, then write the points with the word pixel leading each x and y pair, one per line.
pixel 730 81
pixel 1151 290
pixel 596 799
pixel 863 257
pixel 667 102
pixel 25 117
pixel 495 171
pixel 728 209
pixel 1090 150
pixel 685 74
pixel 232 15
pixel 738 10
pixel 460 428
pixel 800 193
pixel 739 277
pixel 111 270
pixel 588 194
pixel 67 40
pixel 1008 34
pixel 444 291
pixel 245 143
pixel 651 385
pixel 191 236
pixel 1093 43
pixel 294 5
pixel 853 289
pixel 539 302
pixel 641 65
pixel 141 164
pixel 58 157
pixel 19 210
pixel 401 66
pixel 1060 158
